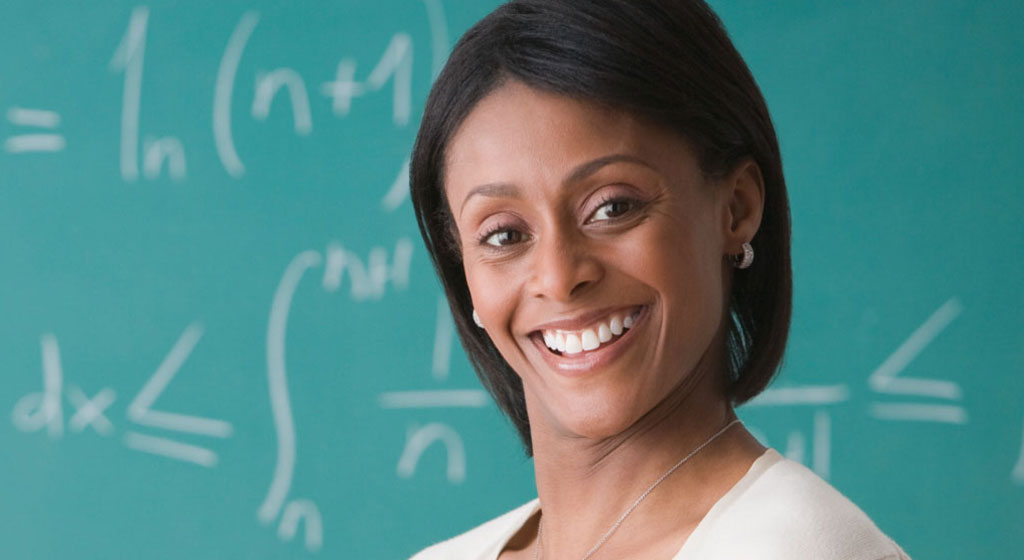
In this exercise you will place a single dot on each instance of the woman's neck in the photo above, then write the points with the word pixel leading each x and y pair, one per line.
pixel 586 485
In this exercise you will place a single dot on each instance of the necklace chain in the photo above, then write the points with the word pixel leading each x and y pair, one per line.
pixel 608 533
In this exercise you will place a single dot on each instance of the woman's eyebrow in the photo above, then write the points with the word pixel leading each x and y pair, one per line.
pixel 580 172
pixel 587 169
pixel 497 190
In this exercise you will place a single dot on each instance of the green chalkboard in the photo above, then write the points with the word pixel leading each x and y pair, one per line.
pixel 220 336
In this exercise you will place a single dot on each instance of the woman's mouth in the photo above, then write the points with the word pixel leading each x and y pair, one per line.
pixel 590 346
pixel 601 333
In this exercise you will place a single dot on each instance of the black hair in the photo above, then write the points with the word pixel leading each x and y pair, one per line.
pixel 669 62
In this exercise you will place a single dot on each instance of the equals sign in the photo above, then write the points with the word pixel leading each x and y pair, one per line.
pixel 34 142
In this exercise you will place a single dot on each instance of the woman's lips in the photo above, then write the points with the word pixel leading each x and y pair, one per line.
pixel 605 330
pixel 578 362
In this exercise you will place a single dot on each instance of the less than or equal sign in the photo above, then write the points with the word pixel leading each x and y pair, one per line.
pixel 35 141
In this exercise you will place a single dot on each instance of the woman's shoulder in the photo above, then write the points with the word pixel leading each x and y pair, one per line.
pixel 782 509
pixel 484 541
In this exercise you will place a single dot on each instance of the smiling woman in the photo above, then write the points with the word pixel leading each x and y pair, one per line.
pixel 598 220
pixel 591 180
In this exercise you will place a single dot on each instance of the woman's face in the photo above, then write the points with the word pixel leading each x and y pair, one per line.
pixel 585 230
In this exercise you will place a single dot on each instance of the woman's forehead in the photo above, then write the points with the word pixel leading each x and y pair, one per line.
pixel 520 133
pixel 516 112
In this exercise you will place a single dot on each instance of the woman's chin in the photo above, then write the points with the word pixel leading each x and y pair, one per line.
pixel 597 421
pixel 597 411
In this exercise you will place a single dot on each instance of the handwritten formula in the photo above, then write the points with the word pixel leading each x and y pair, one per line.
pixel 279 202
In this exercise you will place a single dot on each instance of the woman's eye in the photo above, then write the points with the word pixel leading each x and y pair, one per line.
pixel 503 237
pixel 612 209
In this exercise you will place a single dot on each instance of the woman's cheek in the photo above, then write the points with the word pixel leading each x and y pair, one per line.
pixel 489 299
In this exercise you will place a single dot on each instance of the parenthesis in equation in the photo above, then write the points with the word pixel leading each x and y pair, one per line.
pixel 438 35
pixel 223 89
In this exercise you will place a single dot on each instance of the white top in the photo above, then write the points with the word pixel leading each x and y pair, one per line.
pixel 778 510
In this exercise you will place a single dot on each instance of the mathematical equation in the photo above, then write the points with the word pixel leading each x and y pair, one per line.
pixel 369 279
pixel 62 407
pixel 145 155
pixel 884 382
pixel 149 156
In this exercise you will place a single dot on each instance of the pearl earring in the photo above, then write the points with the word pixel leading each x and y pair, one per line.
pixel 746 259
pixel 476 319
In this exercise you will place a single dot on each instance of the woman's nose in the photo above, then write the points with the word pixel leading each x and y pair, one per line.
pixel 564 267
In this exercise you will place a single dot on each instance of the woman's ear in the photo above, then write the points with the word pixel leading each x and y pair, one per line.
pixel 743 197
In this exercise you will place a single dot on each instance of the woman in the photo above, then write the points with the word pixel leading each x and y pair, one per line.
pixel 591 180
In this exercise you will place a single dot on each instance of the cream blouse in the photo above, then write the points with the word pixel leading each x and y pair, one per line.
pixel 778 510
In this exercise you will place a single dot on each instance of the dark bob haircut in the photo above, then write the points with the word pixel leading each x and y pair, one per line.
pixel 668 62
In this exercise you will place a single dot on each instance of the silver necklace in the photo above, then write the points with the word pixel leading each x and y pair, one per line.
pixel 608 533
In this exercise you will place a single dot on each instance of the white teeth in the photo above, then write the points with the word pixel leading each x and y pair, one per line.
pixel 615 325
pixel 572 344
pixel 588 339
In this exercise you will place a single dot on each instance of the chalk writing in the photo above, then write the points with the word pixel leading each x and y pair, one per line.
pixel 284 423
pixel 90 412
pixel 886 378
pixel 45 409
pixel 150 156
pixel 399 190
pixel 438 35
pixel 444 329
pixel 129 58
pixel 64 407
pixel 36 141
pixel 38 410
pixel 395 64
pixel 368 282
pixel 267 86
pixel 419 438
pixel 368 279
pixel 1018 470
pixel 821 398
pixel 141 412
pixel 307 512
pixel 222 90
